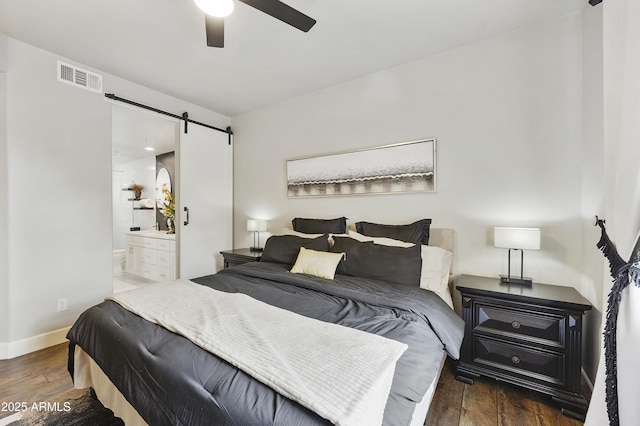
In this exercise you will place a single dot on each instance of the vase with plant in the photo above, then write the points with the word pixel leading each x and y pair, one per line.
pixel 137 190
pixel 169 209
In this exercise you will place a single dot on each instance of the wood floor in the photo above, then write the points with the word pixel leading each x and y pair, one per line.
pixel 489 402
pixel 34 377
pixel 42 375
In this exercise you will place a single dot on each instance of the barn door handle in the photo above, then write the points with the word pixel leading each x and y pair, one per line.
pixel 186 222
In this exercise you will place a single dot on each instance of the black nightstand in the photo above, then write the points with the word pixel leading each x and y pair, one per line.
pixel 530 337
pixel 239 256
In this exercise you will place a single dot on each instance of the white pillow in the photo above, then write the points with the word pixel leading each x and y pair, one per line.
pixel 436 264
pixel 379 240
pixel 287 231
pixel 322 264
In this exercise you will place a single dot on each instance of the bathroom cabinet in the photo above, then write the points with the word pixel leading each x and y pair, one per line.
pixel 151 254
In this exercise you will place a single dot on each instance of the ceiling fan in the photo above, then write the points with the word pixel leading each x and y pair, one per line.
pixel 216 10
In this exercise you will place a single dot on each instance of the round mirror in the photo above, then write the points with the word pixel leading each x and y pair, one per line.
pixel 163 178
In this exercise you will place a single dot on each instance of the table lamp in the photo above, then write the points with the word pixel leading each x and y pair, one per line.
pixel 516 239
pixel 256 226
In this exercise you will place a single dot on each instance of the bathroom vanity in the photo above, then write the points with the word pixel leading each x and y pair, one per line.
pixel 151 254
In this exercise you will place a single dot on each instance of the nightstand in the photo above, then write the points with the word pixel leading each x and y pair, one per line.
pixel 239 256
pixel 529 337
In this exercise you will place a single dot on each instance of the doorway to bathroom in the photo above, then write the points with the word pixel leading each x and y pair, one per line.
pixel 143 190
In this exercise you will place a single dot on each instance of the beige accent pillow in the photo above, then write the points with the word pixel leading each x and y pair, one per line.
pixel 322 264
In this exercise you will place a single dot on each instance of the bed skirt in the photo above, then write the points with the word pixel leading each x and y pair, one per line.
pixel 87 374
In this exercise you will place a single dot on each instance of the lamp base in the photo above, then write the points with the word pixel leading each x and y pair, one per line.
pixel 255 248
pixel 524 281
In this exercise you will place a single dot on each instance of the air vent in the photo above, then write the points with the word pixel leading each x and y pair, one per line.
pixel 71 74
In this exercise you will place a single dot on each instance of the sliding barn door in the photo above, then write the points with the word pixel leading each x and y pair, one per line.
pixel 205 200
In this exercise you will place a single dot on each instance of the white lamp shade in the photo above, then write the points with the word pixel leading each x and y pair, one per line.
pixel 517 238
pixel 256 225
pixel 219 8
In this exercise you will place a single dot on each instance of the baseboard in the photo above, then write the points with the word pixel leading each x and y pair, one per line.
pixel 18 348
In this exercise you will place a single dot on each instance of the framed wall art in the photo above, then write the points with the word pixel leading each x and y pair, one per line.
pixel 398 168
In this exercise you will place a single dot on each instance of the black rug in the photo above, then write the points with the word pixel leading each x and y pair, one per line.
pixel 74 407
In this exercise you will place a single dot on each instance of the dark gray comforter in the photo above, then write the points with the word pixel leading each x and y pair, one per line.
pixel 171 381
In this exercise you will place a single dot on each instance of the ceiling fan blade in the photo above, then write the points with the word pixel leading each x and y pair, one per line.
pixel 285 13
pixel 215 31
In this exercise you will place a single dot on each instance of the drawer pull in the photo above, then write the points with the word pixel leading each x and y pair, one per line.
pixel 515 325
pixel 515 359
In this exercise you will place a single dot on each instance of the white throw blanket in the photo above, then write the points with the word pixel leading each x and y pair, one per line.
pixel 342 374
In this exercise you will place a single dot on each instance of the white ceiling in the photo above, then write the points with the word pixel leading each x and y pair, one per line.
pixel 161 43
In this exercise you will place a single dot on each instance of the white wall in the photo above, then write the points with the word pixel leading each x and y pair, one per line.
pixel 593 262
pixel 59 193
pixel 57 211
pixel 621 79
pixel 507 116
pixel 3 53
pixel 4 245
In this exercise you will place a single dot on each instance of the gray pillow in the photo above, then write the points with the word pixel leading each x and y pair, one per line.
pixel 416 232
pixel 285 248
pixel 397 265
pixel 320 226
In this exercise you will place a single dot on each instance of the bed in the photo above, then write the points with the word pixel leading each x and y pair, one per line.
pixel 148 374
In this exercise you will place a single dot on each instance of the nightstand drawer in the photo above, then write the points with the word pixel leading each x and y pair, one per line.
pixel 538 365
pixel 531 326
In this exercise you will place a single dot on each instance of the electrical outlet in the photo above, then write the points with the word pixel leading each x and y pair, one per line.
pixel 62 305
